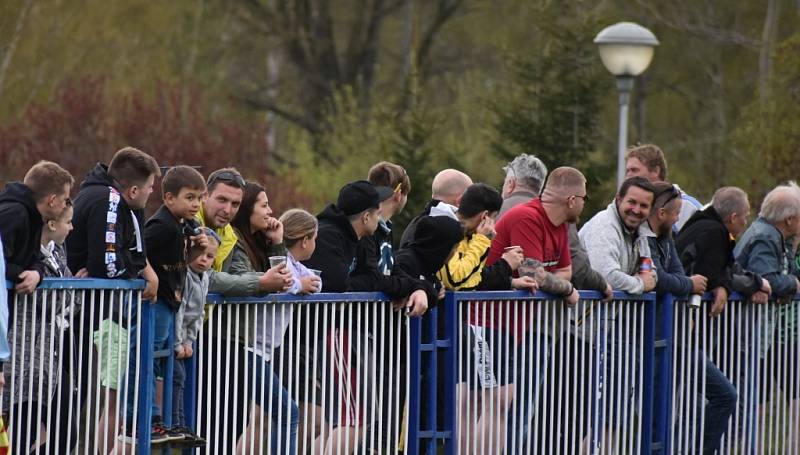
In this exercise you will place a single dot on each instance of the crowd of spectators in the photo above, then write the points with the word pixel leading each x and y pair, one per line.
pixel 218 234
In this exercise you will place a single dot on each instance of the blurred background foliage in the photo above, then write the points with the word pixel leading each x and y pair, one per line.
pixel 307 94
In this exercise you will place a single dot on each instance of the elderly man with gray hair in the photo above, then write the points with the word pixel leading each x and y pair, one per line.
pixel 524 179
pixel 765 248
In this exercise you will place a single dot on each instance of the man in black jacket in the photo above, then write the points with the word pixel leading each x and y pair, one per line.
pixel 107 241
pixel 354 216
pixel 42 195
pixel 706 243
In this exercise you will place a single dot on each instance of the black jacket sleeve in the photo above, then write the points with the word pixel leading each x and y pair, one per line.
pixel 13 227
pixel 332 258
pixel 496 277
pixel 709 255
pixel 367 278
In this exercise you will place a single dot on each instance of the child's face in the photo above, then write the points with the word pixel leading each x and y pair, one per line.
pixel 59 229
pixel 205 260
pixel 306 247
pixel 186 203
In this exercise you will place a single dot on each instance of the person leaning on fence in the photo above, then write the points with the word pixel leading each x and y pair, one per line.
pixel 706 244
pixel 765 248
pixel 225 188
pixel 466 270
pixel 188 322
pixel 299 238
pixel 448 187
pixel 670 276
pixel 39 331
pixel 648 161
pixel 719 393
pixel 614 237
pixel 525 176
pixel 260 238
pixel 166 237
pixel 107 242
pixel 539 227
pixel 43 194
pixel 380 244
pixel 434 241
pixel 354 216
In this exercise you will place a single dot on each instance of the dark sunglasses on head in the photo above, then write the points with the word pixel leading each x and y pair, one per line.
pixel 228 176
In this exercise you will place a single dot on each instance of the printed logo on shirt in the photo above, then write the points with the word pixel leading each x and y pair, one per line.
pixel 112 206
pixel 111 237
pixel 111 257
pixel 113 196
pixel 111 217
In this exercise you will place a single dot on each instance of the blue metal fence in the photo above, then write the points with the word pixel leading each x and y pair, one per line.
pixel 381 381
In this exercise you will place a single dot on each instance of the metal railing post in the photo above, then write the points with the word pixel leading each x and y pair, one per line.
pixel 663 392
pixel 145 351
pixel 648 369
pixel 449 376
pixel 414 374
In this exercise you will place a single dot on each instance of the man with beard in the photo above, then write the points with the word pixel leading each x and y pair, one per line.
pixel 613 238
pixel 540 229
pixel 669 270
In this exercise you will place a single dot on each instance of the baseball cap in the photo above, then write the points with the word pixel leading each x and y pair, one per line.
pixel 355 197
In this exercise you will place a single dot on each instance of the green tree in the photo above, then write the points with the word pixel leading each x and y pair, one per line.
pixel 552 109
pixel 767 140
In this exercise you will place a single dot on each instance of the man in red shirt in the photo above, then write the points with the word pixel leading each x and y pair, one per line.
pixel 540 228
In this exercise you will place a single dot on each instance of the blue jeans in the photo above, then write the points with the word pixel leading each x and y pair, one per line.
pixel 287 413
pixel 721 396
pixel 178 384
pixel 164 318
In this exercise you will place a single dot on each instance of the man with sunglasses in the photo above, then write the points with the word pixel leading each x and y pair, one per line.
pixel 658 229
pixel 225 189
pixel 42 194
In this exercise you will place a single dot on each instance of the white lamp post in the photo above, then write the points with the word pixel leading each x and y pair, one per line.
pixel 626 50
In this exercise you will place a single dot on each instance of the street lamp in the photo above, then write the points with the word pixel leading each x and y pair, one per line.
pixel 626 50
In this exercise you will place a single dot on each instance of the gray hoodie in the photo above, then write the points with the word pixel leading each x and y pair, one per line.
pixel 614 251
pixel 189 318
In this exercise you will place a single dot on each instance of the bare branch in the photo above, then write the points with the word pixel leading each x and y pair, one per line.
pixel 267 105
pixel 710 31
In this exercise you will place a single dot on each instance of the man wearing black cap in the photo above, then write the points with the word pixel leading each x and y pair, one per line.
pixel 341 225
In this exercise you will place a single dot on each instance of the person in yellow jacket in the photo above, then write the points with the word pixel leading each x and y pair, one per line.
pixel 466 270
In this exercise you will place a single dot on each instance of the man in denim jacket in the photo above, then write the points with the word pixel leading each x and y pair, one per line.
pixel 766 249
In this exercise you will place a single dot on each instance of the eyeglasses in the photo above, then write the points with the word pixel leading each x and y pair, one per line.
pixel 227 176
pixel 585 197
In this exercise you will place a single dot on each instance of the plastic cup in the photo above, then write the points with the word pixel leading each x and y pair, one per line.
pixel 275 261
pixel 316 272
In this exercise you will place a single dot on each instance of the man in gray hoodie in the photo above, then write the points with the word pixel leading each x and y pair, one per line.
pixel 614 240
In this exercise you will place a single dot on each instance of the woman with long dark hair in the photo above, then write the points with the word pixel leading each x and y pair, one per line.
pixel 261 237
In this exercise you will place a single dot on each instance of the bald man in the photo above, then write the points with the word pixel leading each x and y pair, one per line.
pixel 447 188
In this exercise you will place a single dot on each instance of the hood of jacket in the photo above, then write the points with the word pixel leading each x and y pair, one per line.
pixel 16 192
pixel 433 241
pixel 98 176
pixel 334 216
pixel 707 214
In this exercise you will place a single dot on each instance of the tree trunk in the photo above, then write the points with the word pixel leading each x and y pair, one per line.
pixel 12 46
pixel 768 35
